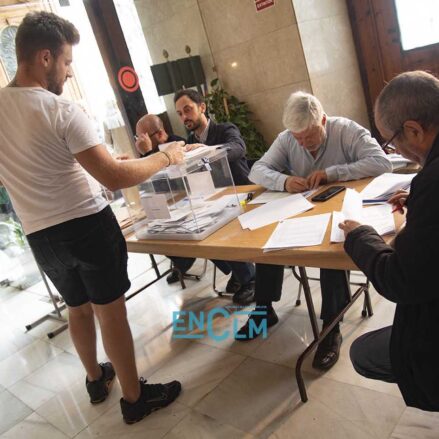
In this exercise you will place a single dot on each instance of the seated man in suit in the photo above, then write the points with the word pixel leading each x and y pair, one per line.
pixel 406 353
pixel 314 149
pixel 150 133
pixel 191 108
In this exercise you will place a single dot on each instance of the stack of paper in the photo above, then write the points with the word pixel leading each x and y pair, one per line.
pixel 381 188
pixel 398 161
pixel 298 232
pixel 274 211
pixel 195 219
pixel 202 150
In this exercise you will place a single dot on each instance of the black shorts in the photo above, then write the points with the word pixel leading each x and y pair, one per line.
pixel 85 258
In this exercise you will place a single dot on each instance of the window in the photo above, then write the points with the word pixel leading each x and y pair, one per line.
pixel 418 22
pixel 7 51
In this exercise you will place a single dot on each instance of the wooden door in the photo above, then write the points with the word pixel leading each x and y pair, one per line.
pixel 377 35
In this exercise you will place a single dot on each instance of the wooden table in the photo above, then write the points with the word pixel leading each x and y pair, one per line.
pixel 233 243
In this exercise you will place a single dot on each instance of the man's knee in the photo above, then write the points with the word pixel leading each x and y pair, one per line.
pixel 84 311
pixel 111 312
pixel 357 354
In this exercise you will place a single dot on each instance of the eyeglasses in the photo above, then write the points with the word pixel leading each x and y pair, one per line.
pixel 154 133
pixel 387 144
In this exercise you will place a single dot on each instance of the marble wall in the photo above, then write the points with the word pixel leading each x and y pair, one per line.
pixel 261 57
pixel 332 63
pixel 258 56
pixel 171 25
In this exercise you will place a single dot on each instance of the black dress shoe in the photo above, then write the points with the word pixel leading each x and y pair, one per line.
pixel 173 277
pixel 233 286
pixel 246 294
pixel 247 332
pixel 328 351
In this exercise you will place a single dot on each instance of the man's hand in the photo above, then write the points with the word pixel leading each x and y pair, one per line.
pixel 175 152
pixel 293 184
pixel 316 178
pixel 398 200
pixel 348 225
pixel 192 146
pixel 143 143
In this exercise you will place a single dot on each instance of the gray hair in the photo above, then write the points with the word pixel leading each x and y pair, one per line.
pixel 302 111
pixel 409 96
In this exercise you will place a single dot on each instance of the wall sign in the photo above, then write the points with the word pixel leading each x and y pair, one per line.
pixel 263 4
pixel 128 79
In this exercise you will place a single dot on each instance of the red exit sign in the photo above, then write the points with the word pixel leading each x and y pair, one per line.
pixel 263 4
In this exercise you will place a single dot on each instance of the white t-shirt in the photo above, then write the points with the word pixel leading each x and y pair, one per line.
pixel 39 133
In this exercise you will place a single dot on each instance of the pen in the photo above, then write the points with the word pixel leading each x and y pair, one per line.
pixel 398 208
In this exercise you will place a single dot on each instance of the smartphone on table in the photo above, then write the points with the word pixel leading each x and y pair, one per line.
pixel 328 193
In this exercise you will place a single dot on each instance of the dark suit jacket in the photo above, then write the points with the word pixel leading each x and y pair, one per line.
pixel 407 275
pixel 228 135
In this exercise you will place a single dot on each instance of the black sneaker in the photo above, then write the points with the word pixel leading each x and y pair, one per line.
pixel 233 286
pixel 247 332
pixel 152 397
pixel 246 294
pixel 173 277
pixel 99 389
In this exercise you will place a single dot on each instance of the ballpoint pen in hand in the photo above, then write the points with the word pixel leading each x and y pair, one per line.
pixel 398 208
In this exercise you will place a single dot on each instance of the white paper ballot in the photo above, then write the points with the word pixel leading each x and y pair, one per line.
pixel 201 183
pixel 379 217
pixel 199 151
pixel 155 206
pixel 384 186
pixel 337 235
pixel 298 232
pixel 352 205
pixel 274 211
pixel 268 196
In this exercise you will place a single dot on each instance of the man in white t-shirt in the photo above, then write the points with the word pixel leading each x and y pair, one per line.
pixel 51 163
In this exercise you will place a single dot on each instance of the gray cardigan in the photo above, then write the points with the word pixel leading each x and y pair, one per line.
pixel 348 153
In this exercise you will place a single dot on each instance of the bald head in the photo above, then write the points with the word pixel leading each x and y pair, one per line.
pixel 407 111
pixel 152 125
pixel 409 96
pixel 148 124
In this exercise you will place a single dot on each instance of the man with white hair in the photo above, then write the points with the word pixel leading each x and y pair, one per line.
pixel 314 149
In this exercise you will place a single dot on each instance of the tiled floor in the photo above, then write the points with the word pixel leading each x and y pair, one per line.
pixel 231 389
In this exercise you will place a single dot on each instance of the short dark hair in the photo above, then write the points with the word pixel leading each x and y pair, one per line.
pixel 409 96
pixel 193 95
pixel 43 30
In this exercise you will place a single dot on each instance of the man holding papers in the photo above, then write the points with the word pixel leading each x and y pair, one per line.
pixel 314 149
pixel 407 113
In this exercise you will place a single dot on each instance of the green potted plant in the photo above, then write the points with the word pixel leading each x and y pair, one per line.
pixel 228 108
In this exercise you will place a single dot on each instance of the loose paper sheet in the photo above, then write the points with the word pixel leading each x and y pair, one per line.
pixel 298 232
pixel 274 211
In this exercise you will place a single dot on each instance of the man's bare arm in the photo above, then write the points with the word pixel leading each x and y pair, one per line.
pixel 118 174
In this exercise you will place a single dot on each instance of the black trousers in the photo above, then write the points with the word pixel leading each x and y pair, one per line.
pixel 269 280
pixel 243 272
pixel 370 355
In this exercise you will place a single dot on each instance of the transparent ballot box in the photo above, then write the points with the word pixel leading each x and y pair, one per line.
pixel 188 201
